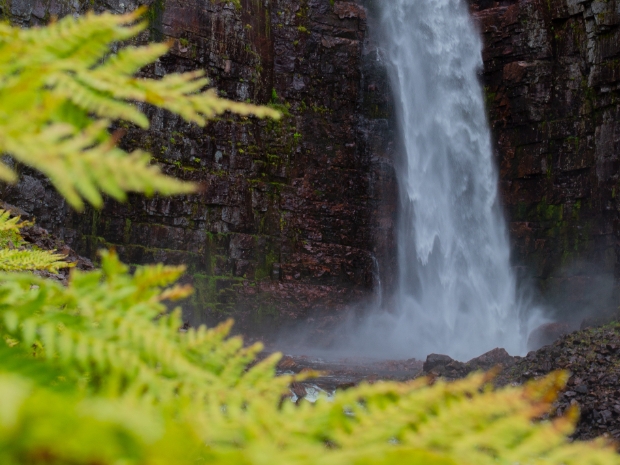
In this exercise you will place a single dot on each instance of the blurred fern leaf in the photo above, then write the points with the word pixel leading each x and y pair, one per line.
pixel 98 372
pixel 60 90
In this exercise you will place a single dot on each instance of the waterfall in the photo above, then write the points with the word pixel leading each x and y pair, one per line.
pixel 457 293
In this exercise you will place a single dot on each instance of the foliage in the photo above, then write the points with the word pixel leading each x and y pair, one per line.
pixel 17 255
pixel 60 89
pixel 19 260
pixel 98 372
pixel 101 323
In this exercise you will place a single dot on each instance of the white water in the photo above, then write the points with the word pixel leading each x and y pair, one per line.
pixel 457 293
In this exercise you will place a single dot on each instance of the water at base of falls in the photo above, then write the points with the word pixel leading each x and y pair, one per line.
pixel 457 293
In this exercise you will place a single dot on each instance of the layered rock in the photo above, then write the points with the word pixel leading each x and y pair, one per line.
pixel 551 80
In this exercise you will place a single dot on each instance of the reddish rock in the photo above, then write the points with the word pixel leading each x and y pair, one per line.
pixel 349 10
pixel 445 367
pixel 298 389
pixel 551 82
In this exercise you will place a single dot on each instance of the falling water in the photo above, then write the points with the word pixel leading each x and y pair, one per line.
pixel 457 292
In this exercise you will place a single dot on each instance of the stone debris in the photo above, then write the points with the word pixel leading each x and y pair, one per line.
pixel 592 357
pixel 346 372
pixel 443 366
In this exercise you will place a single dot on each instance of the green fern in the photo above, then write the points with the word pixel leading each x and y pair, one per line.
pixel 10 237
pixel 17 255
pixel 97 372
pixel 9 222
pixel 112 309
pixel 20 260
pixel 53 79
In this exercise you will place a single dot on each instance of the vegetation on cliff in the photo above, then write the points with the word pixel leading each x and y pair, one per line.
pixel 97 372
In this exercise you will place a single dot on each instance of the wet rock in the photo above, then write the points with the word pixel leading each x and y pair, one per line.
pixel 444 366
pixel 435 361
pixel 594 321
pixel 591 357
pixel 339 374
pixel 546 334
pixel 494 358
pixel 551 84
pixel 299 390
pixel 581 389
pixel 287 363
pixel 349 10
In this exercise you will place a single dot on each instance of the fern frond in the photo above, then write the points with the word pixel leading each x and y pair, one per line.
pixel 130 60
pixel 96 431
pixel 98 102
pixel 20 260
pixel 177 292
pixel 112 307
pixel 123 362
pixel 42 69
pixel 157 275
pixel 17 255
pixel 11 223
pixel 80 166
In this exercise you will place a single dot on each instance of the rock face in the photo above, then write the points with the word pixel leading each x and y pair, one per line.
pixel 551 78
pixel 546 334
pixel 296 220
pixel 295 216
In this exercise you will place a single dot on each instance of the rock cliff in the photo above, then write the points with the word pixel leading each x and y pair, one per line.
pixel 551 77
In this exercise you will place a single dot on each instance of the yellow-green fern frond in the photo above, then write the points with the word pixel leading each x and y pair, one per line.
pixel 113 309
pixel 102 431
pixel 22 260
pixel 98 372
pixel 61 88
pixel 157 275
pixel 17 255
pixel 8 222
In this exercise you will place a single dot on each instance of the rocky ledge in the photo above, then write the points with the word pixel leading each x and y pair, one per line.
pixel 592 356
